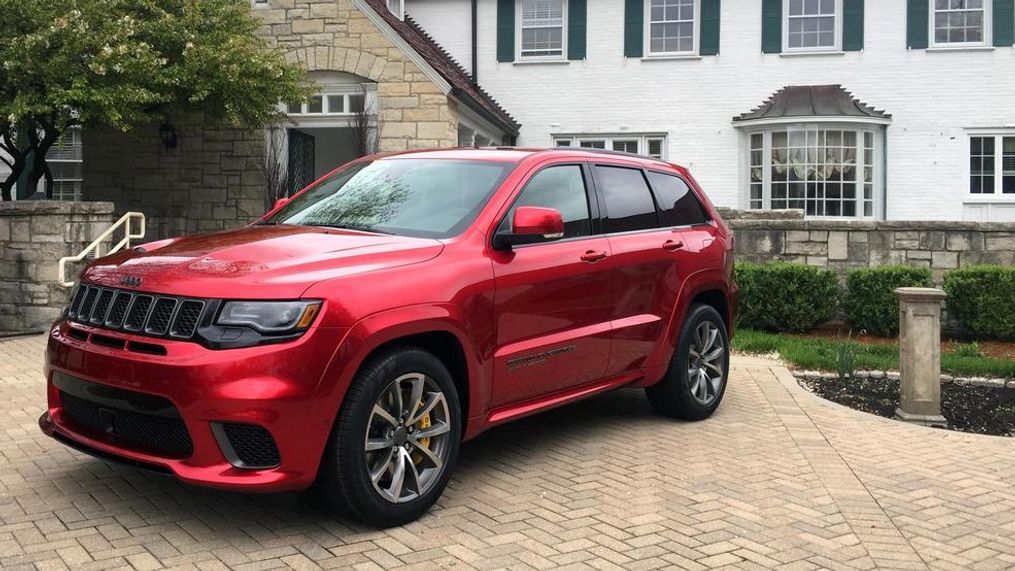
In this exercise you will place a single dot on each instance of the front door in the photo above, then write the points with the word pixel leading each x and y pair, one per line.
pixel 552 302
pixel 302 165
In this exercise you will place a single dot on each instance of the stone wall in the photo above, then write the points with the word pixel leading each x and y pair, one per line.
pixel 845 245
pixel 34 235
pixel 213 179
pixel 210 181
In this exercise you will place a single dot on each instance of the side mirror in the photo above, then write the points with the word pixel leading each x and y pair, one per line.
pixel 280 203
pixel 532 224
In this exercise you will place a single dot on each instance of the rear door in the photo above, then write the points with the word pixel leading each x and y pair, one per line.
pixel 552 301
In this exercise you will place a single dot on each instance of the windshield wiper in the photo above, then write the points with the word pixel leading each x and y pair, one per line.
pixel 355 227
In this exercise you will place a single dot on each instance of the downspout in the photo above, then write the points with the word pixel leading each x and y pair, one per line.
pixel 475 57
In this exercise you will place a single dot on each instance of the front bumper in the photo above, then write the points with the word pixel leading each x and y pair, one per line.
pixel 271 387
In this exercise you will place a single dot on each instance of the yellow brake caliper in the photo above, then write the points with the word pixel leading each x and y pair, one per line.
pixel 424 423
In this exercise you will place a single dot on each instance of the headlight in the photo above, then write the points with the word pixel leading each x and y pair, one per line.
pixel 270 316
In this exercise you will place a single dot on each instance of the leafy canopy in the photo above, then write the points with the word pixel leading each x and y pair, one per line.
pixel 120 63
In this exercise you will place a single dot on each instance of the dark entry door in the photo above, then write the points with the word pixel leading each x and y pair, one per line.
pixel 302 168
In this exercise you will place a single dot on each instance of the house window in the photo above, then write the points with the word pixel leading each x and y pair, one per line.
pixel 329 104
pixel 65 162
pixel 259 3
pixel 671 26
pixel 823 171
pixel 811 25
pixel 647 145
pixel 542 29
pixel 959 22
pixel 397 7
pixel 992 164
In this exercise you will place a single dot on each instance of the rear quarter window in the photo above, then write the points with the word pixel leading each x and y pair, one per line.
pixel 678 205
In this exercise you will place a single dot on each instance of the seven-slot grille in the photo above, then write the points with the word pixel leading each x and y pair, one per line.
pixel 157 315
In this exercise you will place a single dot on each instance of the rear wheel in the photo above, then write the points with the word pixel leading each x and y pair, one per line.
pixel 395 441
pixel 696 380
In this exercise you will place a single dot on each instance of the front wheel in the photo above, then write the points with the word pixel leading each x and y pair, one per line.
pixel 696 380
pixel 395 441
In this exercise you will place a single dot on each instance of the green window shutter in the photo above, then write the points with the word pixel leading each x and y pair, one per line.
pixel 852 25
pixel 577 15
pixel 1004 23
pixel 505 30
pixel 917 23
pixel 771 26
pixel 710 10
pixel 634 28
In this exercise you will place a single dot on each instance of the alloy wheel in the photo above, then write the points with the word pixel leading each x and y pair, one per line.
pixel 406 443
pixel 706 363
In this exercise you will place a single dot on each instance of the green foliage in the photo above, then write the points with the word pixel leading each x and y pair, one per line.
pixel 845 357
pixel 785 297
pixel 121 63
pixel 822 355
pixel 870 303
pixel 982 300
pixel 967 350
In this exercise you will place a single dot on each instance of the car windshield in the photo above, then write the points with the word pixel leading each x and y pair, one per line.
pixel 428 198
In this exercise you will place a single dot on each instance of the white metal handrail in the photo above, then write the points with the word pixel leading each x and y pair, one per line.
pixel 95 248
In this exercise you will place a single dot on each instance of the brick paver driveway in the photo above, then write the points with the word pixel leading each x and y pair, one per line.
pixel 778 478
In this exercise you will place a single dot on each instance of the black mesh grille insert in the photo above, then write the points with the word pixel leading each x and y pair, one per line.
pixel 163 436
pixel 158 322
pixel 252 445
pixel 147 314
pixel 186 318
pixel 138 312
pixel 119 309
pixel 75 303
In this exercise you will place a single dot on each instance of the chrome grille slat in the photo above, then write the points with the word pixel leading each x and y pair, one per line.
pixel 139 313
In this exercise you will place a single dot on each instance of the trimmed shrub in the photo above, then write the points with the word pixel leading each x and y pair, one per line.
pixel 785 297
pixel 870 303
pixel 982 300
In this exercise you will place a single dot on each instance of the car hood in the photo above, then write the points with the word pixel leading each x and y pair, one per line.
pixel 256 262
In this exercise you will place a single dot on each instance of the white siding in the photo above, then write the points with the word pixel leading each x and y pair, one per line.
pixel 933 96
pixel 448 22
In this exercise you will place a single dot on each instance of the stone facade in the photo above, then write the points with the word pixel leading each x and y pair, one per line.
pixel 213 179
pixel 34 235
pixel 845 245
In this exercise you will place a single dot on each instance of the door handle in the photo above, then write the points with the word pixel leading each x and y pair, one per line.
pixel 672 246
pixel 593 256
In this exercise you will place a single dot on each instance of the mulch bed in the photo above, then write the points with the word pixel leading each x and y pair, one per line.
pixel 982 410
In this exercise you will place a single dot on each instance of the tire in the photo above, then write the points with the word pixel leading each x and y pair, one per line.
pixel 681 394
pixel 366 485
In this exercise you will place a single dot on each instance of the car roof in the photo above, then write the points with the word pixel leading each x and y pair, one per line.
pixel 516 154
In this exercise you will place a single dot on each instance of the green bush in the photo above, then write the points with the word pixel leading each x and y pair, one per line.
pixel 870 303
pixel 785 297
pixel 982 300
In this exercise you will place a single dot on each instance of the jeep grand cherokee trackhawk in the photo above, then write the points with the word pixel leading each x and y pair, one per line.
pixel 351 338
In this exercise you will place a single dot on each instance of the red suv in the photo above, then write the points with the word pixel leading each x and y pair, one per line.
pixel 352 337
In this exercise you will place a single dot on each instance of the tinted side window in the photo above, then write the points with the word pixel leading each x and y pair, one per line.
pixel 563 188
pixel 629 204
pixel 678 206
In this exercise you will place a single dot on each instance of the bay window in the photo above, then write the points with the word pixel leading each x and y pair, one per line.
pixel 826 170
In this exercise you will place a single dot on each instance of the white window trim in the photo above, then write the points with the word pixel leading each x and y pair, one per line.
pixel 997 195
pixel 988 17
pixel 766 129
pixel 837 29
pixel 647 34
pixel 574 140
pixel 368 91
pixel 521 57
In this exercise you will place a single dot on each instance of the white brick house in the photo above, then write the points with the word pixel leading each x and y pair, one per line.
pixel 671 80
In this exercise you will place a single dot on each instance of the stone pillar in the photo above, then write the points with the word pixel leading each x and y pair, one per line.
pixel 920 355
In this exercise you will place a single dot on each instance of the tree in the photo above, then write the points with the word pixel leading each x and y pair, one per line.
pixel 123 63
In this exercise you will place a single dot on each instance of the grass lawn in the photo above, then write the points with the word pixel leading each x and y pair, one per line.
pixel 820 354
